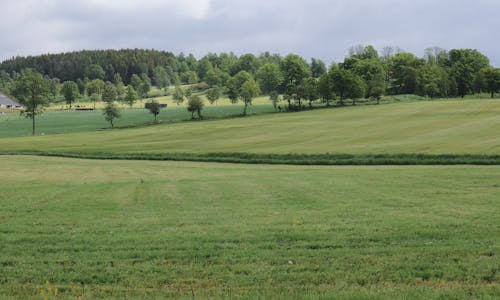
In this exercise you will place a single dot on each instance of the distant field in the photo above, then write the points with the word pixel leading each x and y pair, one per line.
pixel 125 229
pixel 451 127
pixel 55 121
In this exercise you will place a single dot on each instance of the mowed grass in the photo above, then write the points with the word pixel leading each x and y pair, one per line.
pixel 124 229
pixel 62 121
pixel 437 127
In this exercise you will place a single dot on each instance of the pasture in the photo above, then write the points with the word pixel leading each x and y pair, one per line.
pixel 57 121
pixel 121 229
pixel 438 127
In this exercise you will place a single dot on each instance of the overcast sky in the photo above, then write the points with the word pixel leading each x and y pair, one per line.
pixel 312 28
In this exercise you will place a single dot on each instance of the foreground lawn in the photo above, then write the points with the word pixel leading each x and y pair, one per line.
pixel 199 230
pixel 449 127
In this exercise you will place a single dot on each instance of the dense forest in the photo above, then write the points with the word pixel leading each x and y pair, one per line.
pixel 363 74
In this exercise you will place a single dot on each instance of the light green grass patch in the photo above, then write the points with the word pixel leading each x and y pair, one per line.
pixel 441 127
pixel 173 229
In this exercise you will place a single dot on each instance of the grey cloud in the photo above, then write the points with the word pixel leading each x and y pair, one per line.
pixel 314 28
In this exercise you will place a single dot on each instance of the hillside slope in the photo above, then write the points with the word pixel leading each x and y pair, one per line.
pixel 452 127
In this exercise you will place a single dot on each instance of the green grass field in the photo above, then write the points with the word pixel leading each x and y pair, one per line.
pixel 440 127
pixel 198 230
pixel 60 121
pixel 130 229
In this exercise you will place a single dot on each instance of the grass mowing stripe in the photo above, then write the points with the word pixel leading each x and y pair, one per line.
pixel 170 230
pixel 286 159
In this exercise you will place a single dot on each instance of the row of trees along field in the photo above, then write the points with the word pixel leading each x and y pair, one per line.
pixel 439 73
pixel 128 75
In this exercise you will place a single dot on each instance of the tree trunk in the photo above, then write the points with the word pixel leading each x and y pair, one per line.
pixel 33 114
pixel 245 109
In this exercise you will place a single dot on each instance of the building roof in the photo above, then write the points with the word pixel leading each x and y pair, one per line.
pixel 4 100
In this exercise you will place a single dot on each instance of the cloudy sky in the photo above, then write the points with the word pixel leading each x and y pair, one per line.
pixel 312 28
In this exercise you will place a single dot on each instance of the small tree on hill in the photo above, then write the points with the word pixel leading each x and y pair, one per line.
pixel 178 95
pixel 109 93
pixel 32 90
pixel 249 90
pixel 95 89
pixel 131 96
pixel 213 94
pixel 195 105
pixel 154 108
pixel 70 92
pixel 111 112
pixel 145 86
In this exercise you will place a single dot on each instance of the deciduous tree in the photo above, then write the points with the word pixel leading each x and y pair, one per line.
pixel 249 90
pixel 70 92
pixel 111 112
pixel 131 96
pixel 195 105
pixel 32 90
pixel 154 108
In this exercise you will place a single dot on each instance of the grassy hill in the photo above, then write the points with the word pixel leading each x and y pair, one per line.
pixel 135 229
pixel 57 120
pixel 451 127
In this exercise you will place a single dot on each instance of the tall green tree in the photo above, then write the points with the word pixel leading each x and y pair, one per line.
pixel 295 69
pixel 136 81
pixel 309 90
pixel 492 80
pixel 154 108
pixel 111 112
pixel 269 77
pixel 70 92
pixel 325 88
pixel 249 90
pixel 234 85
pixel 131 96
pixel 217 77
pixel 120 87
pixel 433 81
pixel 347 85
pixel 53 85
pixel 373 73
pixel 95 89
pixel 109 93
pixel 213 94
pixel 195 105
pixel 178 95
pixel 32 90
pixel 94 71
pixel 145 86
pixel 161 78
pixel 318 68
pixel 465 66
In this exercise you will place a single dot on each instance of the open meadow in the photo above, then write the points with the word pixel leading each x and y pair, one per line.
pixel 440 127
pixel 198 230
pixel 121 229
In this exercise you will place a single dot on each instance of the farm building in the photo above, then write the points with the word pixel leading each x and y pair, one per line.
pixel 6 102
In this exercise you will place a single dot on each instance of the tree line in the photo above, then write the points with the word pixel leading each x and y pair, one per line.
pixel 127 75
pixel 439 73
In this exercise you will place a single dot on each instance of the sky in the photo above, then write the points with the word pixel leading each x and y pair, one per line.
pixel 323 29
